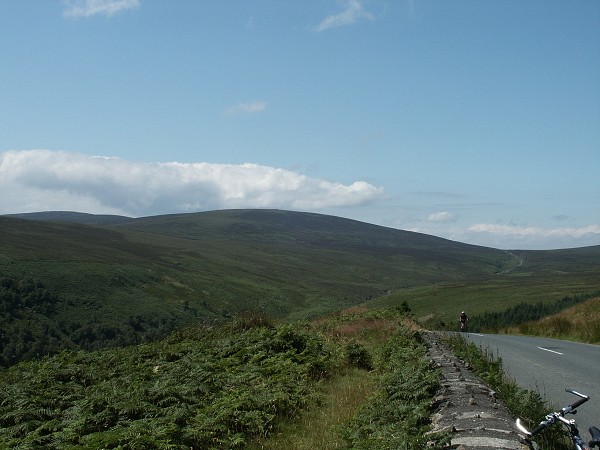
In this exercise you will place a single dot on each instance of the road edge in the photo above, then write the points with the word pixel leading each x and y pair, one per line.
pixel 466 407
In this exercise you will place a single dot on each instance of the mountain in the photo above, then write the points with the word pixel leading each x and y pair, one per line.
pixel 235 259
pixel 84 281
pixel 71 216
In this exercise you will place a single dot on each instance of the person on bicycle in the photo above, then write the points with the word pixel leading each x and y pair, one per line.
pixel 463 321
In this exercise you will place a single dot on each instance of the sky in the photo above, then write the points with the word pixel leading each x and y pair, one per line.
pixel 472 120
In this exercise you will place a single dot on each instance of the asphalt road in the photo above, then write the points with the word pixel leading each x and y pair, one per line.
pixel 550 366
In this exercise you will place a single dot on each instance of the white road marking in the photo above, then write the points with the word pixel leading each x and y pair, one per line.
pixel 476 334
pixel 548 350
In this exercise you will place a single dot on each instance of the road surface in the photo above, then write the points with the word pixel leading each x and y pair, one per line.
pixel 550 366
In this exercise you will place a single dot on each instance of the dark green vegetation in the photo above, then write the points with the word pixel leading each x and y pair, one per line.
pixel 112 281
pixel 30 325
pixel 218 387
pixel 577 323
pixel 527 405
pixel 524 312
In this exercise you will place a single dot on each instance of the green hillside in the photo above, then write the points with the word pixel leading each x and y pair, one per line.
pixel 245 384
pixel 73 280
pixel 540 276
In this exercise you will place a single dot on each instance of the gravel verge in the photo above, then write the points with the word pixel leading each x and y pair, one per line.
pixel 466 407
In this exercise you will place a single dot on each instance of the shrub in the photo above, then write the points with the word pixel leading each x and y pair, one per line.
pixel 201 388
pixel 358 356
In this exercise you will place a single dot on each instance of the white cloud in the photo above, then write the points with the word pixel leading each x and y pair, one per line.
pixel 510 230
pixel 41 180
pixel 87 8
pixel 353 11
pixel 496 235
pixel 511 236
pixel 246 108
pixel 442 217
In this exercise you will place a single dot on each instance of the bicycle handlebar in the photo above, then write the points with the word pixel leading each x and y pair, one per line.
pixel 552 417
pixel 539 428
pixel 583 399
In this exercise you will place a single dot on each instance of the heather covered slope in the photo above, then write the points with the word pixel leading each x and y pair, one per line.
pixel 223 261
pixel 122 281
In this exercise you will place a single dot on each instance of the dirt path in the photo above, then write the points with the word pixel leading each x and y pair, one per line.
pixel 467 408
pixel 504 272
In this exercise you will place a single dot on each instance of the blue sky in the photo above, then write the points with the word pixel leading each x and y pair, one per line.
pixel 477 121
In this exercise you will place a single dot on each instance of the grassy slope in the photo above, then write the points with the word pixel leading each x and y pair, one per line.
pixel 214 264
pixel 227 261
pixel 544 276
pixel 96 271
pixel 579 323
pixel 332 262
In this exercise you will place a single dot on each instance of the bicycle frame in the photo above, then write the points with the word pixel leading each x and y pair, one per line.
pixel 570 424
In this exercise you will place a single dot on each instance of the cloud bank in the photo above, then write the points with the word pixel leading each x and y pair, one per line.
pixel 353 11
pixel 511 237
pixel 510 230
pixel 43 180
pixel 87 8
pixel 532 238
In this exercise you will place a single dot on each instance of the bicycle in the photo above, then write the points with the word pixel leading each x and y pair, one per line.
pixel 572 431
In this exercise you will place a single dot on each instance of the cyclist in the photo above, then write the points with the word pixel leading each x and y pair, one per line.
pixel 463 321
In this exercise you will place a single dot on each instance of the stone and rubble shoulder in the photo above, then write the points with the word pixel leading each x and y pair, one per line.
pixel 466 407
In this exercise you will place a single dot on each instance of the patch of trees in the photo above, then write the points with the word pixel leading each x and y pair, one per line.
pixel 20 296
pixel 26 328
pixel 31 325
pixel 524 312
pixel 133 330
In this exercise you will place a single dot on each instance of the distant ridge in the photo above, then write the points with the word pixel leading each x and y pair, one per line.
pixel 72 217
pixel 316 228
